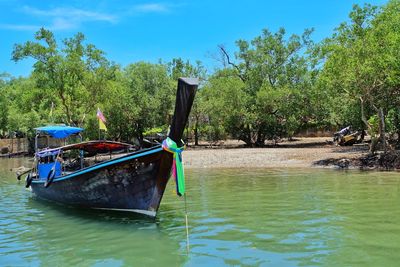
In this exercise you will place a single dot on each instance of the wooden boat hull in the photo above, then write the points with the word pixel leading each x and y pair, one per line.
pixel 135 182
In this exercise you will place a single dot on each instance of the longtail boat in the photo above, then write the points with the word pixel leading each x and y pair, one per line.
pixel 134 181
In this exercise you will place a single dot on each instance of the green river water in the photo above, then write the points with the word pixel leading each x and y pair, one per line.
pixel 237 217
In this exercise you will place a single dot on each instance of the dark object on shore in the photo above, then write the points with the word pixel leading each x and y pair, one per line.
pixel 4 150
pixel 346 137
pixel 16 154
pixel 341 163
pixel 380 161
pixel 133 182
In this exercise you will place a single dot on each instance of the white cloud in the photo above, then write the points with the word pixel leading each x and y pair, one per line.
pixel 67 18
pixel 73 14
pixel 62 24
pixel 60 18
pixel 152 7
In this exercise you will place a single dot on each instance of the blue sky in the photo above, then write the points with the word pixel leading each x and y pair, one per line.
pixel 131 31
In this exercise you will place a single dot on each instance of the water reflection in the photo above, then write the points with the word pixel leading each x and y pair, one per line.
pixel 237 217
pixel 287 218
pixel 38 233
pixel 49 234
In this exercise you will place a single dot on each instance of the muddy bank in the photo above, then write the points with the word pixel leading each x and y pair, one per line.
pixel 379 161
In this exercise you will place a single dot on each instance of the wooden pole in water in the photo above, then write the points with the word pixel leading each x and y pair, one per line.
pixel 187 226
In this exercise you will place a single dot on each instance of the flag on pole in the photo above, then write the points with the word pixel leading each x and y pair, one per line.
pixel 102 120
pixel 51 111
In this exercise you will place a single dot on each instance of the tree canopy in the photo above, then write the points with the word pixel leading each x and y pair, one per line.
pixel 272 86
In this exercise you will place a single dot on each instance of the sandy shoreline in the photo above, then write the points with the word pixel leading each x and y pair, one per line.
pixel 300 154
pixel 303 153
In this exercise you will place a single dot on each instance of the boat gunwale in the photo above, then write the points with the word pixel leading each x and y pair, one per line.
pixel 76 146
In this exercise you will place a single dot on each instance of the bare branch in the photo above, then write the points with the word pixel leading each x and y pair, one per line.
pixel 223 50
pixel 217 57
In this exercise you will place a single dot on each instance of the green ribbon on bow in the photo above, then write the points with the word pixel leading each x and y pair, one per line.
pixel 177 166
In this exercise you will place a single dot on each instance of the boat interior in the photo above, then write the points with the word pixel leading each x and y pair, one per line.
pixel 70 158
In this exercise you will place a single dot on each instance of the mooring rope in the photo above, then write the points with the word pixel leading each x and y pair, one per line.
pixel 187 226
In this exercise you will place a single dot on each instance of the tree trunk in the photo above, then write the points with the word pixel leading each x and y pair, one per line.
pixel 397 125
pixel 382 131
pixel 260 138
pixel 196 132
pixel 374 144
pixel 374 141
pixel 140 134
pixel 363 118
pixel 246 136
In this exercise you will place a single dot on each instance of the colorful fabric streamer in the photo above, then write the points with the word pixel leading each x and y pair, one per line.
pixel 177 166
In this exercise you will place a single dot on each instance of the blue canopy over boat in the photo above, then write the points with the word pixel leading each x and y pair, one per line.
pixel 59 131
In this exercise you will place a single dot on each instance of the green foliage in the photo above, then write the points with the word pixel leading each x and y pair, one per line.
pixel 273 87
pixel 392 121
pixel 74 77
pixel 178 68
pixel 149 96
pixel 153 131
pixel 374 122
pixel 224 102
pixel 3 108
pixel 362 62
